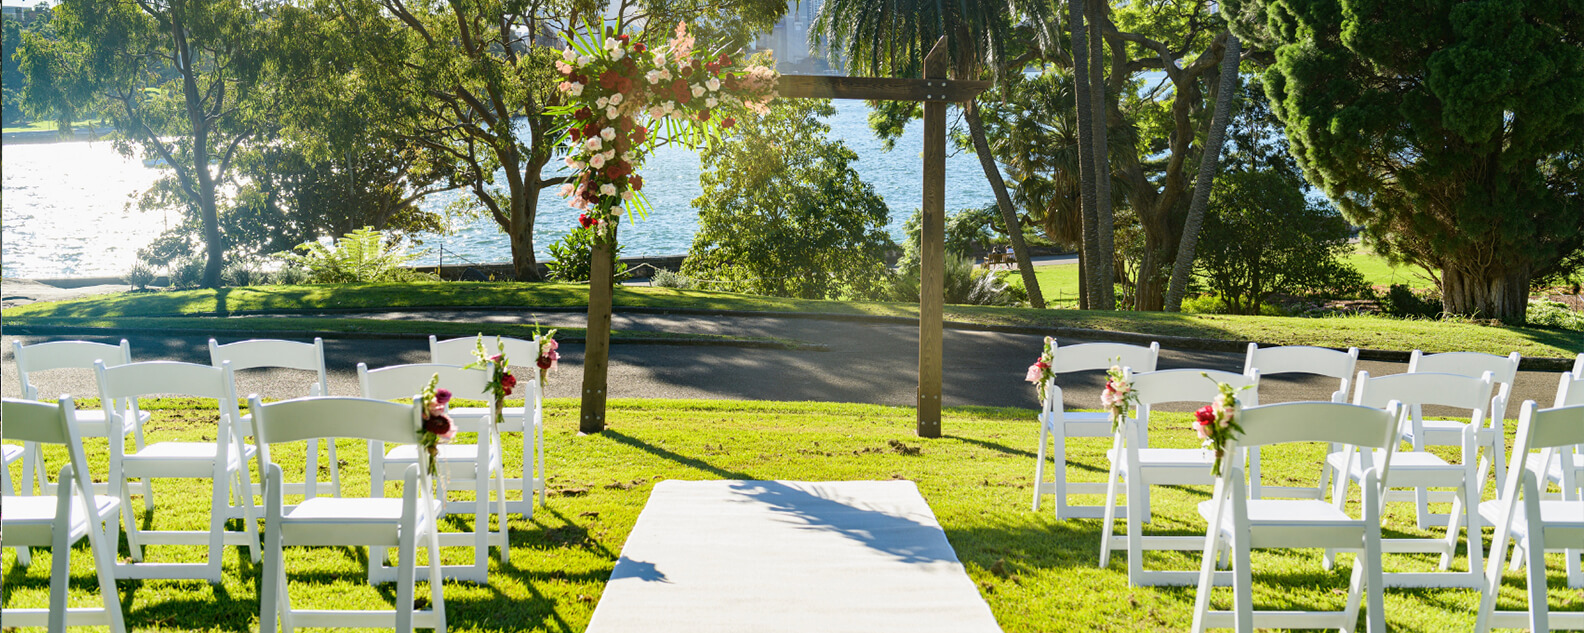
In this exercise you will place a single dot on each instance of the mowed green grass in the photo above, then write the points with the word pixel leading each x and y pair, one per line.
pixel 1377 272
pixel 1037 574
pixel 1339 332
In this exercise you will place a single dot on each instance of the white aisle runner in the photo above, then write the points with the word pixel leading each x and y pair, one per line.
pixel 861 556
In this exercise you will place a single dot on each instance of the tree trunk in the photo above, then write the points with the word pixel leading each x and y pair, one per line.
pixel 1004 203
pixel 1486 294
pixel 1086 175
pixel 1083 283
pixel 524 207
pixel 1208 162
pixel 1104 225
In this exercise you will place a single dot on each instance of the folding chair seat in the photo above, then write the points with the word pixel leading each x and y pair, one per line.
pixel 1299 359
pixel 1057 423
pixel 377 523
pixel 61 521
pixel 1422 470
pixel 1533 523
pixel 471 467
pixel 224 461
pixel 1137 465
pixel 527 419
pixel 56 356
pixel 1240 524
pixel 1422 432
pixel 293 355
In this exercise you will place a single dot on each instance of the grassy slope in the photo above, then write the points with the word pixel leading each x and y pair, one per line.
pixel 1036 573
pixel 1367 332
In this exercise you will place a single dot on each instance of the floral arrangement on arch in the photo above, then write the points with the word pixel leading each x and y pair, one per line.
pixel 1040 372
pixel 501 381
pixel 621 96
pixel 1217 422
pixel 437 426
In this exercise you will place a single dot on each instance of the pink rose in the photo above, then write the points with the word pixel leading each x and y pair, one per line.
pixel 1034 373
pixel 554 345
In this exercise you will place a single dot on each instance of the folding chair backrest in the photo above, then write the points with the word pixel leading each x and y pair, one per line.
pixel 1334 422
pixel 1302 359
pixel 1471 364
pixel 46 423
pixel 134 380
pixel 1548 428
pixel 272 353
pixel 338 417
pixel 1091 356
pixel 1570 390
pixel 1450 390
pixel 400 382
pixel 64 355
pixel 1189 385
pixel 459 351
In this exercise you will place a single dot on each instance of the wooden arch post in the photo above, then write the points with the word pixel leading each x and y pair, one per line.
pixel 936 92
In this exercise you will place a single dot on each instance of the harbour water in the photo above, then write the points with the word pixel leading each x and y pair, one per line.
pixel 70 208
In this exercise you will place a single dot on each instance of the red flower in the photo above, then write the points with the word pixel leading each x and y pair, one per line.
pixel 576 134
pixel 507 382
pixel 725 60
pixel 704 114
pixel 608 79
pixel 636 182
pixel 442 396
pixel 639 47
pixel 728 122
pixel 437 424
pixel 1205 416
pixel 624 38
pixel 639 134
pixel 583 113
pixel 543 362
pixel 584 220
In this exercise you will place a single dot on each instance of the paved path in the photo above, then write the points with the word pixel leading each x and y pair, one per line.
pixel 869 363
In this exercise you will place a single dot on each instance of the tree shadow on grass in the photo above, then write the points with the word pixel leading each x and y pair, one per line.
pixel 673 456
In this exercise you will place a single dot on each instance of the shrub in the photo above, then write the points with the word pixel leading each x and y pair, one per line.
pixel 1402 301
pixel 1210 303
pixel 361 256
pixel 187 272
pixel 290 275
pixel 139 277
pixel 569 258
pixel 965 284
pixel 240 273
pixel 668 279
pixel 1555 314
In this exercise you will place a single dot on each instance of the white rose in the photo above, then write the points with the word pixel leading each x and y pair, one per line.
pixel 607 189
pixel 656 112
pixel 612 112
pixel 627 156
pixel 569 55
pixel 567 189
pixel 710 102
pixel 713 84
pixel 617 54
pixel 593 144
pixel 668 106
pixel 597 161
pixel 612 43
pixel 610 154
pixel 698 91
pixel 608 133
pixel 665 74
pixel 584 60
pixel 616 99
pixel 627 195
pixel 600 102
pixel 653 76
pixel 576 89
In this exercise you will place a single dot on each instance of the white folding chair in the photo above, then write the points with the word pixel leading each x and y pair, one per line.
pixel 1535 524
pixel 1241 523
pixel 278 354
pixel 59 523
pixel 1057 423
pixel 79 355
pixel 1563 466
pixel 1299 359
pixel 527 419
pixel 476 467
pixel 405 524
pixel 1422 433
pixel 224 461
pixel 1422 470
pixel 1136 465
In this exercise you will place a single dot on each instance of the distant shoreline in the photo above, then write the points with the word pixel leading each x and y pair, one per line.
pixel 54 136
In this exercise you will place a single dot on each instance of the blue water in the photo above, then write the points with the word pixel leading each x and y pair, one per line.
pixel 67 213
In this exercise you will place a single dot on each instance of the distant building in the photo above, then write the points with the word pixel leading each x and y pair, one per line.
pixel 23 11
pixel 789 40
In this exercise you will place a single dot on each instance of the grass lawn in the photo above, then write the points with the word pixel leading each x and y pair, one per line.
pixel 1037 574
pixel 1379 273
pixel 48 126
pixel 1361 331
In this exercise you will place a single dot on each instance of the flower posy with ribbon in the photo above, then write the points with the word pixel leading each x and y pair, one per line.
pixel 1040 372
pixel 437 426
pixel 501 381
pixel 1217 422
pixel 548 356
pixel 1118 397
pixel 621 96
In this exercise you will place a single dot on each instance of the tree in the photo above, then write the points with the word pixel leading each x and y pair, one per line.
pixel 977 35
pixel 1224 94
pixel 784 213
pixel 1446 130
pixel 482 73
pixel 176 79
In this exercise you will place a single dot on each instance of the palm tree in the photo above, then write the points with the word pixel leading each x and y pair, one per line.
pixel 891 38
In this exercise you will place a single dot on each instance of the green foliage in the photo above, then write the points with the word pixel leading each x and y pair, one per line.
pixel 139 276
pixel 1210 303
pixel 1403 301
pixel 361 256
pixel 289 275
pixel 1453 132
pixel 570 257
pixel 964 284
pixel 186 272
pixel 783 213
pixel 668 279
pixel 967 231
pixel 1555 314
pixel 242 273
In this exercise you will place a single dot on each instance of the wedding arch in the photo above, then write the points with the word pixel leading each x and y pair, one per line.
pixel 618 90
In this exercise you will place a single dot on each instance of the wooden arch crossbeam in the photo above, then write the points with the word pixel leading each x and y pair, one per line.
pixel 936 91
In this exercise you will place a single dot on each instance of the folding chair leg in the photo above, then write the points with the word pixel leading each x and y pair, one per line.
pixel 60 568
pixel 1539 611
pixel 407 579
pixel 1242 584
pixel 1039 465
pixel 271 586
pixel 1207 568
pixel 217 519
pixel 134 539
pixel 1106 525
pixel 335 468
